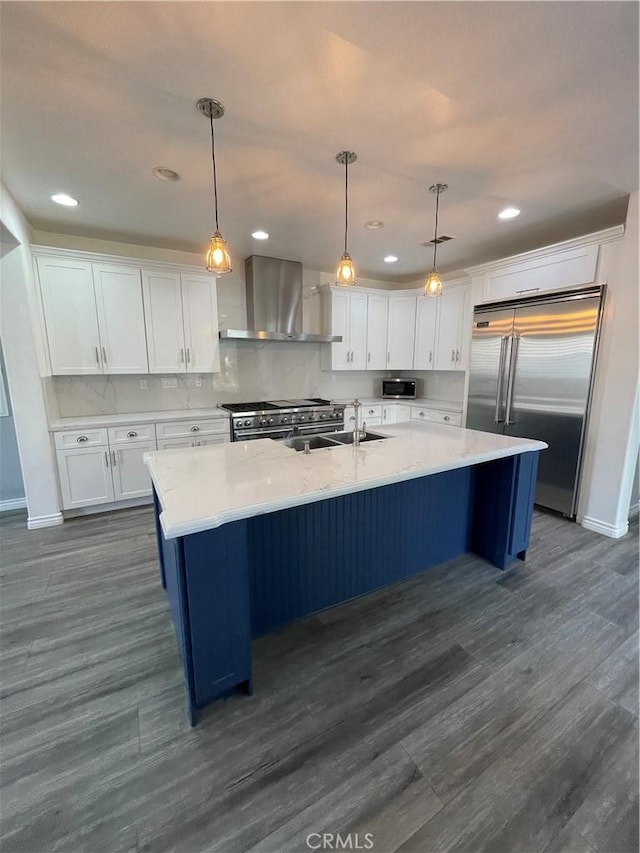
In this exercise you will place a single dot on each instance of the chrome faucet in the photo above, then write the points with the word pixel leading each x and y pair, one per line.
pixel 357 432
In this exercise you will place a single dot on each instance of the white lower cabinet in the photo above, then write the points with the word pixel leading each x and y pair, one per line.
pixel 85 476
pixel 395 413
pixel 130 474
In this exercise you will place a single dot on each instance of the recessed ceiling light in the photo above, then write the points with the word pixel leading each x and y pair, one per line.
pixel 162 173
pixel 509 213
pixel 63 198
pixel 259 235
pixel 390 259
pixel 373 224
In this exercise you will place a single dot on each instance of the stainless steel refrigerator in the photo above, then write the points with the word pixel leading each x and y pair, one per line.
pixel 532 365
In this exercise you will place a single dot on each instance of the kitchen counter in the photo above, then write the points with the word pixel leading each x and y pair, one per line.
pixel 253 536
pixel 209 487
pixel 96 421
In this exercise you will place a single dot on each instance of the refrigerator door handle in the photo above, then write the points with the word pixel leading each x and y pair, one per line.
pixel 499 391
pixel 511 381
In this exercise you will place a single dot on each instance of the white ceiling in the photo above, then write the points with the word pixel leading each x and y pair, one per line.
pixel 532 104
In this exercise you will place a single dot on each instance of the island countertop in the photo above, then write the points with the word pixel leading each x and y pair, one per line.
pixel 205 487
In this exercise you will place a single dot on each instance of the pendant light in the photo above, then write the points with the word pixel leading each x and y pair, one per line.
pixel 218 260
pixel 433 284
pixel 346 274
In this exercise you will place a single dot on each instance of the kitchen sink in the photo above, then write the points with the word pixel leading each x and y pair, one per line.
pixel 297 442
pixel 347 437
pixel 315 442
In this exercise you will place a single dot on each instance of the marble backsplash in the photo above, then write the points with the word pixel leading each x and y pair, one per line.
pixel 249 370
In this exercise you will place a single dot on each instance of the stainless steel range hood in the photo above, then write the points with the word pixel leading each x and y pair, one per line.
pixel 274 303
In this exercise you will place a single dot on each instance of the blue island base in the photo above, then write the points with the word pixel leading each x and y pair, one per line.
pixel 234 583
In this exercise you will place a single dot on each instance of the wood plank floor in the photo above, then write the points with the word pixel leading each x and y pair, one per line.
pixel 465 710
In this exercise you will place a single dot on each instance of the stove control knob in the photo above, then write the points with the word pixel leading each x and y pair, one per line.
pixel 312 417
pixel 284 419
pixel 302 418
pixel 247 422
pixel 323 416
pixel 263 421
pixel 238 424
pixel 270 421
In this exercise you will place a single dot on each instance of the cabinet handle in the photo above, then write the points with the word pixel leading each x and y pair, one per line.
pixel 368 357
pixel 371 412
pixel 114 459
pixel 188 355
pixel 132 434
pixel 453 355
pixel 421 414
pixel 81 438
pixel 446 418
pixel 457 356
pixel 430 356
pixel 106 458
pixel 104 356
pixel 181 355
pixel 529 290
pixel 97 356
pixel 352 418
pixel 195 429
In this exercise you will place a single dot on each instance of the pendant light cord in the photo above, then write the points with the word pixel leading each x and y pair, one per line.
pixel 215 179
pixel 346 199
pixel 435 235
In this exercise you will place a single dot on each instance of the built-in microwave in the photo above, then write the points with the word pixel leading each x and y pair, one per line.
pixel 399 389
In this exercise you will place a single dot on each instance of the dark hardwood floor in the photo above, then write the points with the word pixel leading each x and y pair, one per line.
pixel 465 710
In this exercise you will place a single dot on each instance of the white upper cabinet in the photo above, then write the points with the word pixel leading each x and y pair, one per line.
pixel 401 332
pixel 377 321
pixel 71 320
pixel 123 345
pixel 200 313
pixel 163 321
pixel 449 353
pixel 346 315
pixel 425 348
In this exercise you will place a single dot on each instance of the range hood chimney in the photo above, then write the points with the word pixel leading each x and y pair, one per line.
pixel 274 303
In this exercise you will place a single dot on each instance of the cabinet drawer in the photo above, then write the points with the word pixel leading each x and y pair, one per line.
pixel 369 412
pixel 80 438
pixel 134 432
pixel 175 429
pixel 174 443
pixel 436 416
pixel 371 421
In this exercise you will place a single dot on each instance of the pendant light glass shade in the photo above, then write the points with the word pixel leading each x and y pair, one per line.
pixel 433 284
pixel 218 260
pixel 346 274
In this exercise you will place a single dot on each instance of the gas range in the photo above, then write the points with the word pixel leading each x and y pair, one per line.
pixel 283 418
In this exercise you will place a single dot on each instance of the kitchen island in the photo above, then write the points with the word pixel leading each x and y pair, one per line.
pixel 252 536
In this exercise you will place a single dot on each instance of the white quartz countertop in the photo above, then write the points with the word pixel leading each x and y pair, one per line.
pixel 135 418
pixel 423 402
pixel 205 487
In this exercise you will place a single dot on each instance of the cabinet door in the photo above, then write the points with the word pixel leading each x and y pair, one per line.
pixel 69 306
pixel 173 443
pixel 403 414
pixel 85 477
pixel 130 475
pixel 377 320
pixel 389 413
pixel 120 319
pixel 425 347
pixel 358 330
pixel 340 326
pixel 212 439
pixel 163 321
pixel 401 332
pixel 200 312
pixel 449 332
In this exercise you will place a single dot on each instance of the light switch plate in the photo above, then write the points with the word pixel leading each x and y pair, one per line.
pixel 198 381
pixel 143 384
pixel 170 382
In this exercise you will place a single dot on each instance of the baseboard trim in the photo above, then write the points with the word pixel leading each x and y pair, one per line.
pixel 14 503
pixel 605 529
pixel 634 509
pixel 112 507
pixel 38 521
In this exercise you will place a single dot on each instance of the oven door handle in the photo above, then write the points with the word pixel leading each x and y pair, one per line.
pixel 248 434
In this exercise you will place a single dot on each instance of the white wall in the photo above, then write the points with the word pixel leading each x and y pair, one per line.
pixel 11 485
pixel 23 352
pixel 613 431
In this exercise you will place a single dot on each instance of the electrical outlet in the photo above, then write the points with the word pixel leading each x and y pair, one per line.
pixel 170 382
pixel 198 381
pixel 143 384
pixel 333 377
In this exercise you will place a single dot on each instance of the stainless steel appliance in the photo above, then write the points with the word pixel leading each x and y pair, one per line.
pixel 532 363
pixel 399 389
pixel 274 303
pixel 283 418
